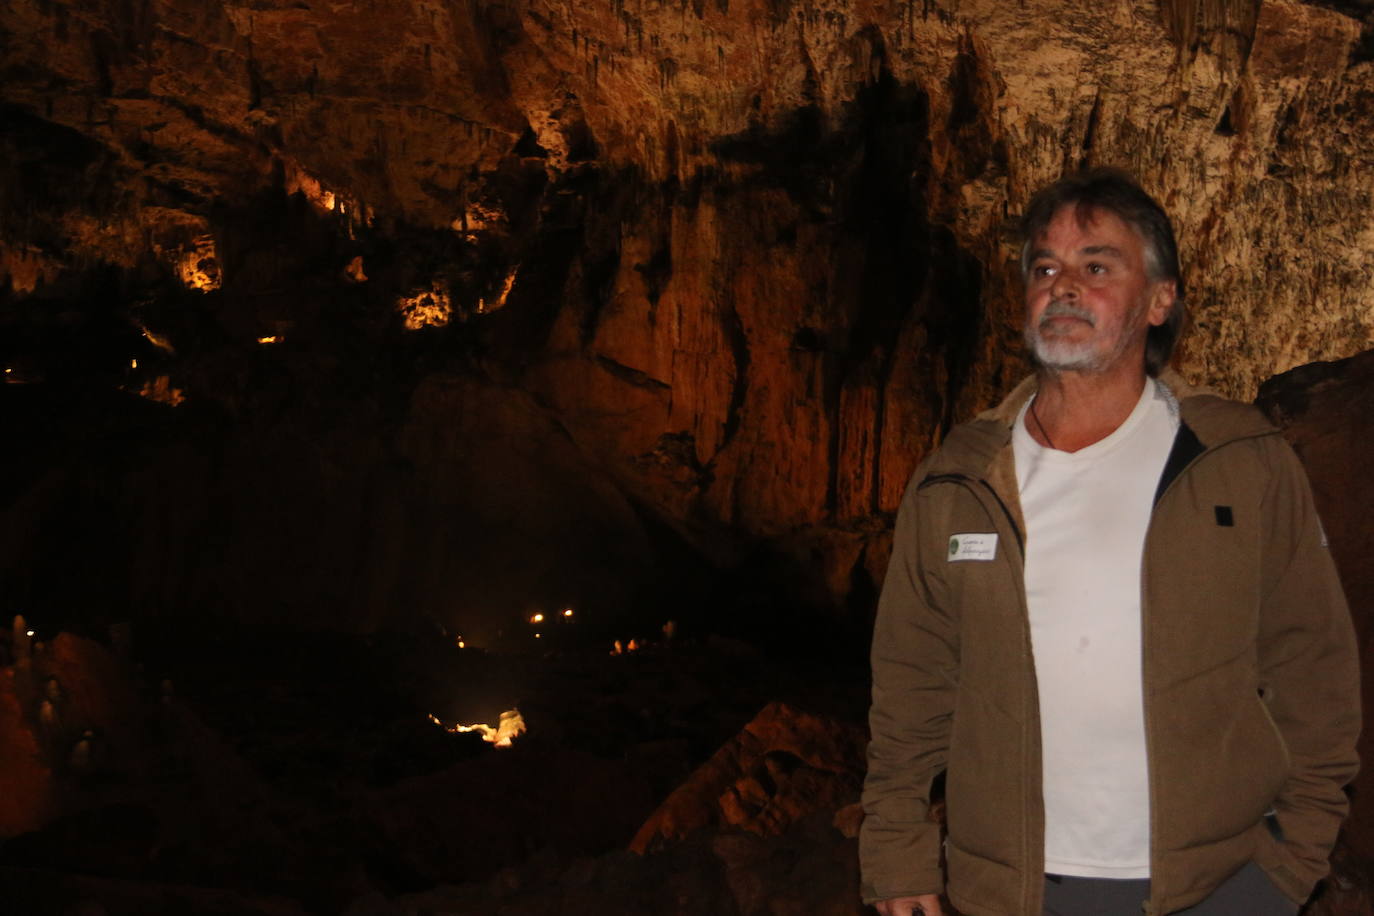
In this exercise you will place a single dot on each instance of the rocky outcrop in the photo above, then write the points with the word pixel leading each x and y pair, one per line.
pixel 783 767
pixel 69 715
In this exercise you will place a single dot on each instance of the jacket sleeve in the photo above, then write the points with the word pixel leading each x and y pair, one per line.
pixel 915 660
pixel 1309 673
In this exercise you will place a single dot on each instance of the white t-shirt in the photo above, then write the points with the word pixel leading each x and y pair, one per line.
pixel 1086 516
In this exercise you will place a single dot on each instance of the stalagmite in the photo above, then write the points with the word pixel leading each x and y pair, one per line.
pixel 21 638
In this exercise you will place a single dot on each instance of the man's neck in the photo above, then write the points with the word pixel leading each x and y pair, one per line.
pixel 1073 410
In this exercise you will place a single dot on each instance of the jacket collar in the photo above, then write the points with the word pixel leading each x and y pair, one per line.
pixel 971 447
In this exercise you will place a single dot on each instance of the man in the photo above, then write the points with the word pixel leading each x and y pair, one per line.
pixel 1111 619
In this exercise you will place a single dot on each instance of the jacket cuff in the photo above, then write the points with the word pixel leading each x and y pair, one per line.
pixel 899 860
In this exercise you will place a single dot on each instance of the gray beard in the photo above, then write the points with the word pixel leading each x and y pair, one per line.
pixel 1062 355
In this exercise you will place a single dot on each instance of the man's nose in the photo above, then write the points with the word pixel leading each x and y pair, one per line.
pixel 1065 286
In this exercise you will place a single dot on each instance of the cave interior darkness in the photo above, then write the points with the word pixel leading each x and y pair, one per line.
pixel 250 549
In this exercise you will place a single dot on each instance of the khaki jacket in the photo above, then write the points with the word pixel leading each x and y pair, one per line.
pixel 1251 682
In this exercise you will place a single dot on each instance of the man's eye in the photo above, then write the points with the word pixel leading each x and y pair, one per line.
pixel 1096 268
pixel 1043 270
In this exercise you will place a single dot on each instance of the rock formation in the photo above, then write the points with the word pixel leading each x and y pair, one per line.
pixel 784 766
pixel 749 259
pixel 67 695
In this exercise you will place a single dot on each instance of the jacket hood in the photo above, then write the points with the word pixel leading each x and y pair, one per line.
pixel 971 447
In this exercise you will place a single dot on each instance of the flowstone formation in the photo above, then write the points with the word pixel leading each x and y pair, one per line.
pixel 742 264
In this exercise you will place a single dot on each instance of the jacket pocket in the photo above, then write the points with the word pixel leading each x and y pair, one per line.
pixel 981 885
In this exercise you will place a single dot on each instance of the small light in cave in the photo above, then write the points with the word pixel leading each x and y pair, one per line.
pixel 567 612
pixel 271 339
pixel 537 618
pixel 460 642
pixel 538 635
pixel 632 647
pixel 30 633
pixel 508 728
pixel 617 648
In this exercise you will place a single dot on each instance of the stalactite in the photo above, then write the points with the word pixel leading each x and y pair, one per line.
pixel 1192 23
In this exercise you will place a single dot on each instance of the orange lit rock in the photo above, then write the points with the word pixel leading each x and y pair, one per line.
pixel 162 390
pixel 784 765
pixel 30 798
pixel 47 703
pixel 430 308
pixel 353 270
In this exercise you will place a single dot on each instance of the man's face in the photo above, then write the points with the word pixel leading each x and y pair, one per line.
pixel 1089 296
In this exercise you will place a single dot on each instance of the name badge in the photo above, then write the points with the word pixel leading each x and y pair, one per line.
pixel 972 547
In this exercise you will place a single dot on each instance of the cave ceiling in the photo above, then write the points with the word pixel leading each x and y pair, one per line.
pixel 1249 119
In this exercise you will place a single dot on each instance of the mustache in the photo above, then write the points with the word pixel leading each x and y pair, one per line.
pixel 1060 309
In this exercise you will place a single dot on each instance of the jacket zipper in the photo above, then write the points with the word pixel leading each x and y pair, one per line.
pixel 1148 907
pixel 1030 888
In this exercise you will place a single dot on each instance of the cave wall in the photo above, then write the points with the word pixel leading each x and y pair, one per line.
pixel 738 264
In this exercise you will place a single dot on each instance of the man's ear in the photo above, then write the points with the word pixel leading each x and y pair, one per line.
pixel 1163 295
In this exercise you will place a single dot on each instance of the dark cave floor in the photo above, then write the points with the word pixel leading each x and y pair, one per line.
pixel 248 772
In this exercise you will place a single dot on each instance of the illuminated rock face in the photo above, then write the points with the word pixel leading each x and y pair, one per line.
pixel 751 259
